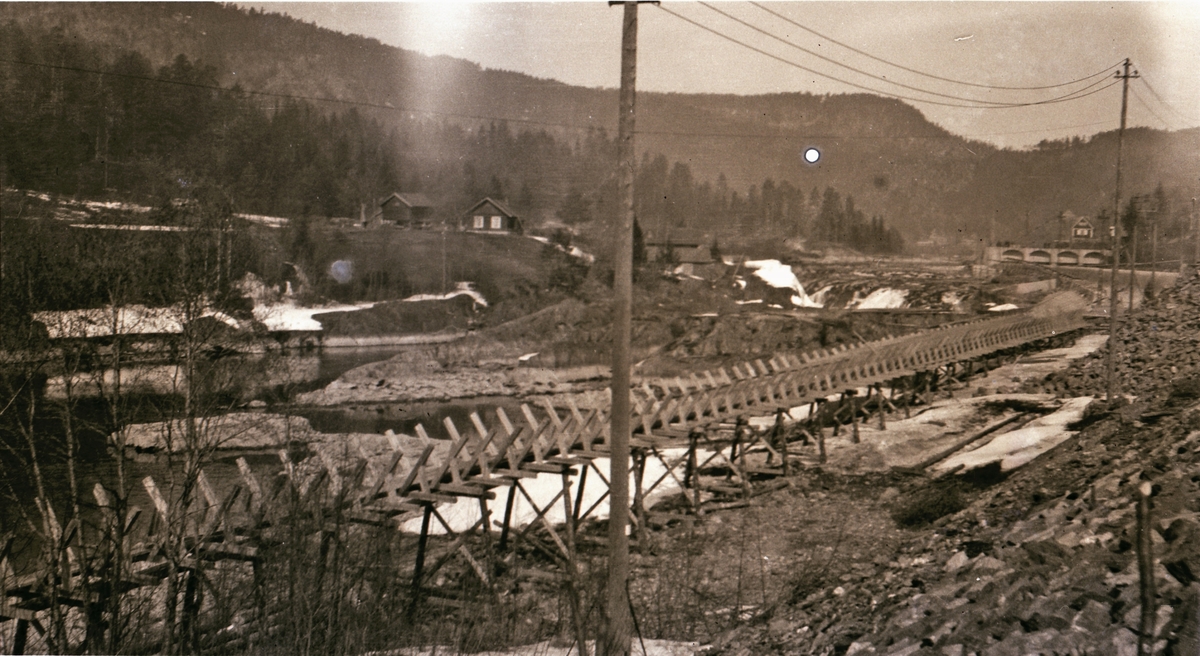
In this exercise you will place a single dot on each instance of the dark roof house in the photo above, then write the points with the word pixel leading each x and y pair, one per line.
pixel 409 210
pixel 1083 229
pixel 491 216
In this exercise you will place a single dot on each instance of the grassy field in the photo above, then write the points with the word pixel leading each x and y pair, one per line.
pixel 516 275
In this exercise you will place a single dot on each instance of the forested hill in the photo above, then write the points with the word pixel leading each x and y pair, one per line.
pixel 882 152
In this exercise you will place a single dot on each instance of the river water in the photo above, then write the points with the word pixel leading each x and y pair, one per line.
pixel 286 376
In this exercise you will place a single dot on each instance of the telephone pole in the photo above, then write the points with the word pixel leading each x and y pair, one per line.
pixel 1116 252
pixel 1135 203
pixel 1195 237
pixel 616 631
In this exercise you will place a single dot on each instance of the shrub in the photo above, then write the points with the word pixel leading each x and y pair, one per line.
pixel 929 505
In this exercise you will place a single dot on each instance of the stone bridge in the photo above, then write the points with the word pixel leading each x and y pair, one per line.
pixel 1052 256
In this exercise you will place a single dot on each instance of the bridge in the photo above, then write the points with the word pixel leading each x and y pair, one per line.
pixel 1051 256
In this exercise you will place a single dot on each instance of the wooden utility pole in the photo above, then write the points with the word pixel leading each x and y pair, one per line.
pixel 1133 235
pixel 1145 556
pixel 1153 255
pixel 1116 251
pixel 1195 236
pixel 616 632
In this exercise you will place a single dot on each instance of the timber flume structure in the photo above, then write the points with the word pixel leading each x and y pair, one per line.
pixel 689 423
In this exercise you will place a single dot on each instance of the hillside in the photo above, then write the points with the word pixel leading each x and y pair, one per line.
pixel 882 152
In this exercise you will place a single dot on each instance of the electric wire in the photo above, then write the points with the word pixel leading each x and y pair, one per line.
pixel 388 107
pixel 1074 95
pixel 929 75
pixel 1153 113
pixel 847 66
pixel 839 137
pixel 1186 119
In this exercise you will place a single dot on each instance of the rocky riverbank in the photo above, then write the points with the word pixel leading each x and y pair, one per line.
pixel 1038 561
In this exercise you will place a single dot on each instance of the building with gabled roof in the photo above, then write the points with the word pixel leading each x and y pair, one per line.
pixel 490 216
pixel 1083 229
pixel 410 210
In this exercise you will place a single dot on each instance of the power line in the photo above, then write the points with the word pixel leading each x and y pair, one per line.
pixel 837 137
pixel 930 75
pixel 1150 109
pixel 1187 120
pixel 391 108
pixel 852 68
pixel 1074 95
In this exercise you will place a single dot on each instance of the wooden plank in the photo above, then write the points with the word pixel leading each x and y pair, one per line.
pixel 251 481
pixel 160 504
pixel 8 612
pixel 413 473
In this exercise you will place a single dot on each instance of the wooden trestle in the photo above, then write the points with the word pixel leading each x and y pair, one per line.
pixel 688 423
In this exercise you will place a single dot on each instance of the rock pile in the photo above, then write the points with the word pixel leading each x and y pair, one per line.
pixel 1156 346
pixel 1043 561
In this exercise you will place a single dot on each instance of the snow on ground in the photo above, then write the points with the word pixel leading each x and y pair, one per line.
pixel 128 320
pixel 461 289
pixel 463 514
pixel 287 316
pixel 781 276
pixel 1006 307
pixel 269 221
pixel 883 298
pixel 1018 447
pixel 129 226
pixel 1036 366
pixel 96 205
pixel 573 251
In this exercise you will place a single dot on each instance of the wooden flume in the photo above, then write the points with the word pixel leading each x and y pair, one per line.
pixel 689 424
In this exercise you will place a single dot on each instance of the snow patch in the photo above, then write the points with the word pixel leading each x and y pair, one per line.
pixel 125 320
pixel 952 299
pixel 573 251
pixel 288 316
pixel 461 289
pixel 463 514
pixel 1007 307
pixel 884 298
pixel 781 276
pixel 268 221
pixel 1020 446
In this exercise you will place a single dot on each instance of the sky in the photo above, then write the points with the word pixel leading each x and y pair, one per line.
pixel 751 48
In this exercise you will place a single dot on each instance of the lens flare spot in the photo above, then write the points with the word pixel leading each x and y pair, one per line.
pixel 342 271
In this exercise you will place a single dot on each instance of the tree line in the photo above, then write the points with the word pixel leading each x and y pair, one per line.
pixel 136 132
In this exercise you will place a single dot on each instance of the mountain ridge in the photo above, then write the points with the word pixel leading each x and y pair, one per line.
pixel 882 151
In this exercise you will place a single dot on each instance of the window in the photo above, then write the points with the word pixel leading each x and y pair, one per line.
pixel 478 222
pixel 497 223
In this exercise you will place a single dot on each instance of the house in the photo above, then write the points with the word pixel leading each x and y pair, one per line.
pixel 1083 229
pixel 490 216
pixel 408 210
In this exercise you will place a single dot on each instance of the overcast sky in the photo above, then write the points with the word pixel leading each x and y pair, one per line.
pixel 1008 44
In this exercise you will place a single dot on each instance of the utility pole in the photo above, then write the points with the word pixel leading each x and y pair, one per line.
pixel 1112 301
pixel 1153 255
pixel 1195 236
pixel 1133 235
pixel 616 631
